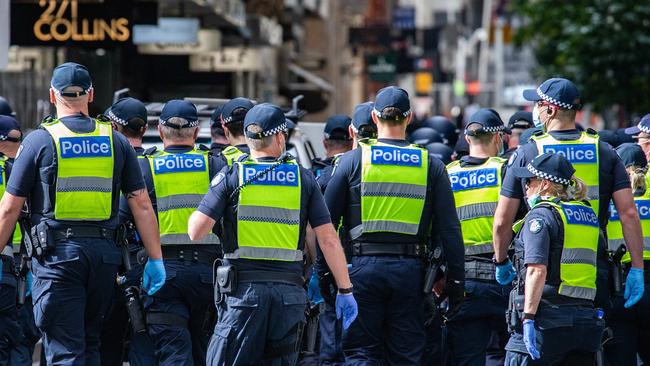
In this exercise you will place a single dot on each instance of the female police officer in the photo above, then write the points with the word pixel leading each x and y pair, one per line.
pixel 631 326
pixel 555 256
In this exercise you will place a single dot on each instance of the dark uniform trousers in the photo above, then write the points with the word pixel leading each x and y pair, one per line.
pixel 389 329
pixel 72 291
pixel 631 329
pixel 187 294
pixel 28 335
pixel 477 333
pixel 258 324
pixel 117 329
pixel 331 332
pixel 9 327
pixel 566 335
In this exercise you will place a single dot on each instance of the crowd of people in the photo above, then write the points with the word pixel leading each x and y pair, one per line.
pixel 410 243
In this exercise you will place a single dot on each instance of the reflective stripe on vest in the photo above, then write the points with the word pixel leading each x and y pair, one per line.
pixel 393 188
pixel 268 214
pixel 180 180
pixel 476 193
pixel 232 154
pixel 578 261
pixel 582 154
pixel 84 183
pixel 17 236
pixel 615 230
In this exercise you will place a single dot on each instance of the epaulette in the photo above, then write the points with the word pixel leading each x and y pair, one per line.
pixel 103 118
pixel 150 151
pixel 591 131
pixel 539 133
pixel 202 147
pixel 244 157
pixel 47 119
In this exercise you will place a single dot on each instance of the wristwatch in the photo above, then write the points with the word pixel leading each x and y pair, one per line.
pixel 494 260
pixel 345 291
pixel 528 316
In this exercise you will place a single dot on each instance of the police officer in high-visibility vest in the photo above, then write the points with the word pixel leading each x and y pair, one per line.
pixel 72 170
pixel 10 331
pixel 631 326
pixel 641 133
pixel 476 335
pixel 266 202
pixel 394 199
pixel 555 254
pixel 232 121
pixel 556 103
pixel 519 122
pixel 129 117
pixel 180 175
pixel 217 134
pixel 336 141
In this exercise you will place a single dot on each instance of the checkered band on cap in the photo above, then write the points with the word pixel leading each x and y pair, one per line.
pixel 117 119
pixel 494 129
pixel 3 137
pixel 281 128
pixel 378 113
pixel 644 129
pixel 189 124
pixel 554 101
pixel 543 175
pixel 229 119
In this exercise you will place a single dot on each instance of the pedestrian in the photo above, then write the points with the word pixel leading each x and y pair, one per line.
pixel 232 122
pixel 395 200
pixel 631 325
pixel 477 334
pixel 266 202
pixel 556 103
pixel 72 170
pixel 178 315
pixel 555 256
pixel 129 117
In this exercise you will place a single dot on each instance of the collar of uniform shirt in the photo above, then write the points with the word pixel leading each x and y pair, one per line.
pixel 394 141
pixel 471 160
pixel 178 148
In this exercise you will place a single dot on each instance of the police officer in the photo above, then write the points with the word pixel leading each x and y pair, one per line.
pixel 555 253
pixel 641 133
pixel 232 121
pixel 394 199
pixel 518 123
pixel 5 108
pixel 72 170
pixel 336 141
pixel 11 334
pixel 596 163
pixel 362 126
pixel 217 134
pixel 476 334
pixel 266 202
pixel 180 174
pixel 631 327
pixel 129 117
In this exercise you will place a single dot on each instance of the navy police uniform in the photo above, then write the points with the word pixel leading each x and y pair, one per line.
pixel 390 326
pixel 260 320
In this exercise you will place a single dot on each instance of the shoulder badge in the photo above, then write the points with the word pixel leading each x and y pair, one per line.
pixel 217 179
pixel 535 226
pixel 202 147
pixel 150 151
pixel 512 158
pixel 20 149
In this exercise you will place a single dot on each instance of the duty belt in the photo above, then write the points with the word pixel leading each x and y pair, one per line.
pixel 83 232
pixel 189 254
pixel 411 250
pixel 479 270
pixel 270 276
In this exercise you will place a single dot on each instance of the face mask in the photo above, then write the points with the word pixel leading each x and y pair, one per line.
pixel 536 120
pixel 533 200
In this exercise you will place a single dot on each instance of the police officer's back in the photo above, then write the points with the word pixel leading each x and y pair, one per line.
pixel 477 334
pixel 72 170
pixel 552 310
pixel 394 199
pixel 266 201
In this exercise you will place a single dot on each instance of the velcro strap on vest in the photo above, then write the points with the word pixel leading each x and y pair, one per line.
pixel 189 254
pixel 166 319
pixel 479 270
pixel 269 276
pixel 83 232
pixel 412 250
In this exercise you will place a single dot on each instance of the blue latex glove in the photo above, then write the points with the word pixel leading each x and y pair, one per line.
pixel 154 276
pixel 28 284
pixel 633 287
pixel 346 306
pixel 313 291
pixel 505 273
pixel 530 339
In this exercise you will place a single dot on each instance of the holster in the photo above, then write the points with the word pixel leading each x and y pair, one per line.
pixel 42 240
pixel 225 281
pixel 515 311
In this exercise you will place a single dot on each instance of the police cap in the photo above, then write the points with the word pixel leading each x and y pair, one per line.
pixel 235 110
pixel 632 155
pixel 392 96
pixel 71 74
pixel 5 108
pixel 336 127
pixel 181 109
pixel 557 91
pixel 8 124
pixel 488 120
pixel 126 109
pixel 521 119
pixel 642 127
pixel 268 117
pixel 553 167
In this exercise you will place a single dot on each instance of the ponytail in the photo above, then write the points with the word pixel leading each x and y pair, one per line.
pixel 577 189
pixel 637 176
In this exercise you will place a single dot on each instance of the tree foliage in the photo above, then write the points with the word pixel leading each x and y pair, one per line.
pixel 601 45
